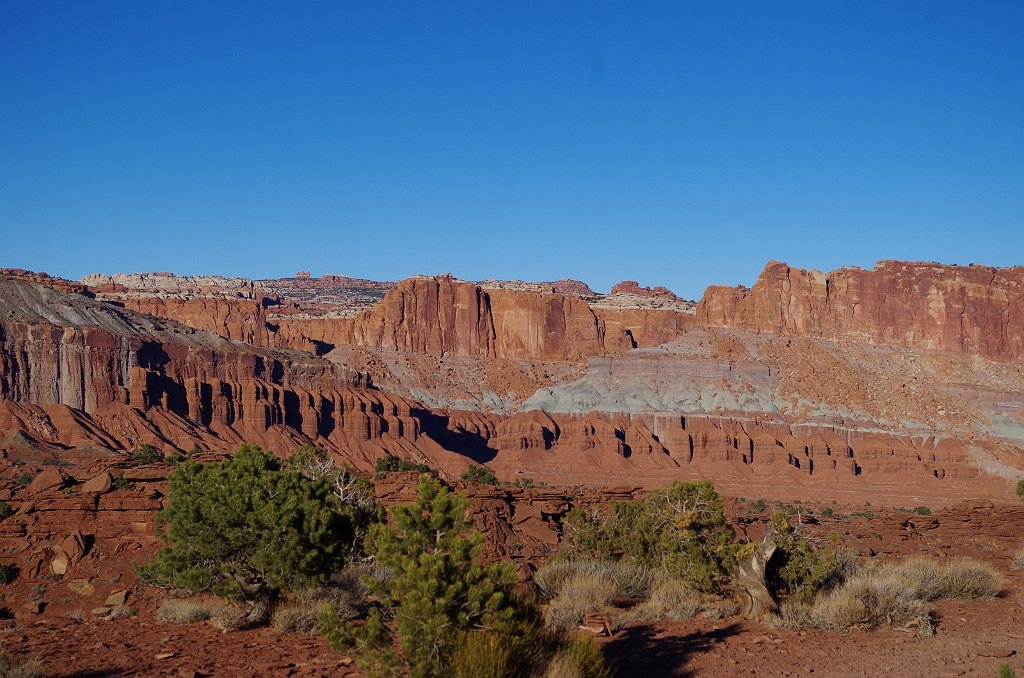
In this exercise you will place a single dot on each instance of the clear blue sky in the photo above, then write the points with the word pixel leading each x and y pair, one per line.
pixel 675 143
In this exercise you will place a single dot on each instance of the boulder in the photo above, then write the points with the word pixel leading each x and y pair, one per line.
pixel 98 484
pixel 81 587
pixel 59 564
pixel 50 478
pixel 74 546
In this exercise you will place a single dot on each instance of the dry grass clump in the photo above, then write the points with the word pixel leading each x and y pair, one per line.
pixel 122 612
pixel 968 579
pixel 670 599
pixel 301 613
pixel 892 594
pixel 581 587
pixel 551 577
pixel 632 580
pixel 720 609
pixel 19 668
pixel 224 616
pixel 579 658
pixel 562 667
pixel 1018 561
pixel 579 595
pixel 481 654
pixel 183 610
pixel 531 651
pixel 228 618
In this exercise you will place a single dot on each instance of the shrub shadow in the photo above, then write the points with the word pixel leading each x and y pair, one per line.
pixel 637 652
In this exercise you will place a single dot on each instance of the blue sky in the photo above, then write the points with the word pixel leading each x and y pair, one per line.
pixel 675 143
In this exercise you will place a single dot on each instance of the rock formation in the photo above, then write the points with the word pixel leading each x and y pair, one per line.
pixel 797 379
pixel 632 287
pixel 969 309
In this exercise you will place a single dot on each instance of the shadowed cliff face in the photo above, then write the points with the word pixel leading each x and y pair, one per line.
pixel 967 309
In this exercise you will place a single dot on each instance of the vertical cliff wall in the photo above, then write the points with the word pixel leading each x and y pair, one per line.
pixel 971 309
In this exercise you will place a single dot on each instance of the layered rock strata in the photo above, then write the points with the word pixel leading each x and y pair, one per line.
pixel 977 310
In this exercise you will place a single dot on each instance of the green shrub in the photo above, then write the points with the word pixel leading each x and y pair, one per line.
pixel 246 527
pixel 1020 488
pixel 24 479
pixel 5 510
pixel 145 454
pixel 680 529
pixel 797 568
pixel 922 510
pixel 389 463
pixel 1005 671
pixel 481 475
pixel 827 512
pixel 759 506
pixel 8 573
pixel 1018 561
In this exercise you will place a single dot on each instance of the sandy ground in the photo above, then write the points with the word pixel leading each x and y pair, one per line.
pixel 972 639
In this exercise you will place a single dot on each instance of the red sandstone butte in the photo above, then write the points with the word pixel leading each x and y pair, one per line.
pixel 633 287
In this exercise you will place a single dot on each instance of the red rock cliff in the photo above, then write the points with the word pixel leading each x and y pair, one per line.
pixel 442 315
pixel 971 309
pixel 234 318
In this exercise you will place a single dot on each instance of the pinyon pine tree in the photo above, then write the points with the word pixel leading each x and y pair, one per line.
pixel 438 589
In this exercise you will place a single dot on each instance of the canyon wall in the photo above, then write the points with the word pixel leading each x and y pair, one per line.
pixel 78 372
pixel 970 309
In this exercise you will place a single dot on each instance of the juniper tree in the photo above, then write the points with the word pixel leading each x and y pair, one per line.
pixel 680 529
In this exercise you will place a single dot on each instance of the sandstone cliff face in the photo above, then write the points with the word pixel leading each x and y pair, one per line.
pixel 969 309
pixel 233 318
pixel 445 316
pixel 230 307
